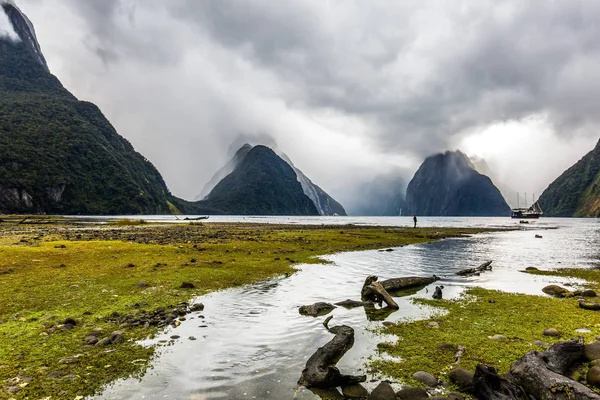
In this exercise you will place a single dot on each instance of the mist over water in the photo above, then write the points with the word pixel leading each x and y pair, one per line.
pixel 253 343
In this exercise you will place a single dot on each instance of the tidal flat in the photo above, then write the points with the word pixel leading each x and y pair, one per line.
pixel 76 299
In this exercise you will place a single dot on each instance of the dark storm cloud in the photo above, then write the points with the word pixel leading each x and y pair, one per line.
pixel 365 80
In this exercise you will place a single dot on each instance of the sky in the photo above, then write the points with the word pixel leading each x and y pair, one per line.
pixel 347 89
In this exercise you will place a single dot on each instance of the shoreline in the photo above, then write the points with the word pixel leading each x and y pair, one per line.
pixel 65 283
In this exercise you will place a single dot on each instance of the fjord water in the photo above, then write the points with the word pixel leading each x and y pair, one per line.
pixel 252 343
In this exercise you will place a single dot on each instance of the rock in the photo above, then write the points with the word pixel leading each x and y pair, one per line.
pixel 388 324
pixel 583 330
pixel 498 338
pixel 531 269
pixel 411 393
pixel 187 285
pixel 383 391
pixel 141 284
pixel 70 321
pixel 103 342
pixel 462 378
pixel 316 309
pixel 588 293
pixel 354 303
pixel 455 396
pixel 540 343
pixel 55 374
pixel 197 307
pixel 175 337
pixel 556 291
pixel 116 337
pixel 91 339
pixel 192 338
pixel 593 377
pixel 591 351
pixel 71 359
pixel 437 294
pixel 552 332
pixel 538 236
pixel 438 398
pixel 447 347
pixel 355 392
pixel 589 305
pixel 433 324
pixel 425 378
pixel 595 363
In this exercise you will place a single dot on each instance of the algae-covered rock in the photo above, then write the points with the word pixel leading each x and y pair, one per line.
pixel 591 351
pixel 383 391
pixel 556 291
pixel 411 393
pixel 426 378
pixel 593 377
pixel 462 378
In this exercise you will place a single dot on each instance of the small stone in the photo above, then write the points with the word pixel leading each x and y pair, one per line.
pixel 455 396
pixel 591 351
pixel 433 325
pixel 355 392
pixel 383 391
pixel 552 332
pixel 187 285
pixel 425 378
pixel 531 269
pixel 192 338
pixel 175 337
pixel 588 293
pixel 116 337
pixel 593 377
pixel 91 339
pixel 556 291
pixel 197 307
pixel 141 284
pixel 540 343
pixel 462 378
pixel 388 323
pixel 583 330
pixel 412 393
pixel 498 338
pixel 55 374
pixel 103 342
pixel 70 360
pixel 70 321
pixel 447 347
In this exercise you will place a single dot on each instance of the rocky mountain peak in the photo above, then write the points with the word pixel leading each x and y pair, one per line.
pixel 24 30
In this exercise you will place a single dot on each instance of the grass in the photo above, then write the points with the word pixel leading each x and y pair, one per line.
pixel 470 321
pixel 128 222
pixel 53 272
pixel 592 276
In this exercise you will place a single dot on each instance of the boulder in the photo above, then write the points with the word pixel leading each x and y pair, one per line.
pixel 589 305
pixel 316 309
pixel 425 378
pixel 411 393
pixel 383 391
pixel 553 332
pixel 355 392
pixel 556 291
pixel 462 378
pixel 593 377
pixel 588 293
pixel 591 351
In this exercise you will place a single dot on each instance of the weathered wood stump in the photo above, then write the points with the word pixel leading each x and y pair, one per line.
pixel 486 266
pixel 374 291
pixel 545 375
pixel 320 370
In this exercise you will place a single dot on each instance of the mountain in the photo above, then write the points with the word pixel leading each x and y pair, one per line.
pixel 509 194
pixel 58 154
pixel 382 196
pixel 576 193
pixel 269 170
pixel 261 183
pixel 448 185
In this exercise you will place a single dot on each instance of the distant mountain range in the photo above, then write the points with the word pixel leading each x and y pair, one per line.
pixel 381 196
pixel 575 193
pixel 447 184
pixel 257 181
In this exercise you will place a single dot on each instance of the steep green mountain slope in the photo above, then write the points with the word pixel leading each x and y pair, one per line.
pixel 576 193
pixel 448 185
pixel 58 154
pixel 261 184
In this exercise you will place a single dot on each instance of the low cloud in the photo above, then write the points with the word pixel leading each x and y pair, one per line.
pixel 348 89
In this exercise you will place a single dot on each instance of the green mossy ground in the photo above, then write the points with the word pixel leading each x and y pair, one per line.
pixel 57 271
pixel 472 319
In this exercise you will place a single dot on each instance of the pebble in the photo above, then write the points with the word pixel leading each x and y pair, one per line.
pixel 552 332
pixel 433 325
pixel 498 338
pixel 426 378
pixel 192 338
pixel 583 330
pixel 175 337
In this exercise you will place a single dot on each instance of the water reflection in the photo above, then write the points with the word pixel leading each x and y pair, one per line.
pixel 252 342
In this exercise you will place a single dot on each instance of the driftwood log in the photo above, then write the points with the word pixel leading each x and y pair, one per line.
pixel 487 384
pixel 396 284
pixel 317 309
pixel 486 266
pixel 354 303
pixel 545 375
pixel 374 291
pixel 320 370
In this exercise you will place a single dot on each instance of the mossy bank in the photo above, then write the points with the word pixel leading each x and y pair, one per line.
pixel 495 328
pixel 62 282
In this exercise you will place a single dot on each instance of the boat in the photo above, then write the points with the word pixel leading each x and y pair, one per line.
pixel 532 212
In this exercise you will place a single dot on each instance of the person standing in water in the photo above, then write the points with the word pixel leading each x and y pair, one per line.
pixel 415 220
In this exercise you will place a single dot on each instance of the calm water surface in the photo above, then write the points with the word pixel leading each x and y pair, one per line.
pixel 253 344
